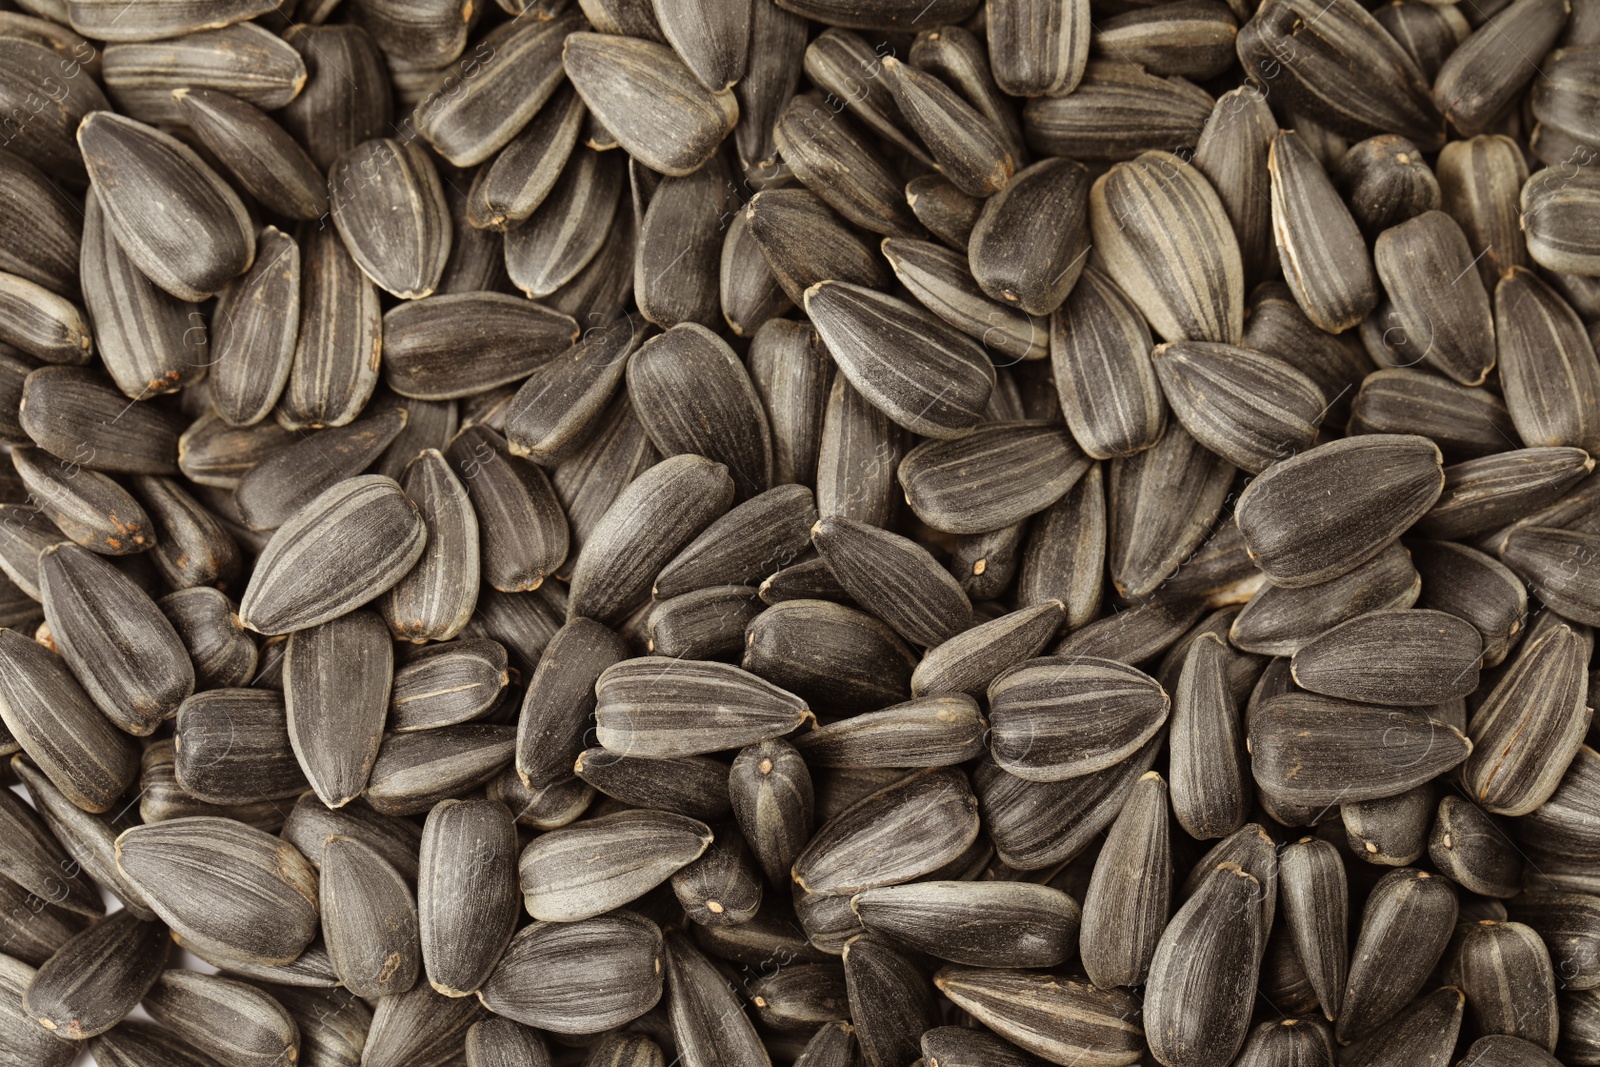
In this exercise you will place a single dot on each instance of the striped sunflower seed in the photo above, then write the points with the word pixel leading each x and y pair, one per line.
pixel 744 545
pixel 1316 908
pixel 1480 494
pixel 859 451
pixel 232 746
pixel 141 1044
pixel 1163 504
pixel 802 242
pixel 89 839
pixel 904 583
pixel 26 1041
pixel 497 1042
pixel 1115 113
pixel 696 786
pixel 1099 345
pixel 256 150
pixel 1021 925
pixel 1038 49
pixel 97 978
pixel 345 99
pixel 707 1021
pixel 1471 849
pixel 1062 1020
pixel 640 707
pixel 1043 728
pixel 1414 261
pixel 1401 656
pixel 244 59
pixel 1480 183
pixel 422 352
pixel 273 490
pixel 1566 922
pixel 417 770
pixel 35 861
pixel 512 186
pixel 994 477
pixel 723 885
pixel 1280 621
pixel 846 67
pixel 1492 958
pixel 336 685
pixel 590 867
pixel 749 290
pixel 45 138
pixel 228 1020
pixel 1547 366
pixel 568 228
pixel 558 407
pixel 947 212
pixel 1386 182
pixel 1405 928
pixel 560 698
pixel 419 1028
pixel 468 854
pixel 41 323
pixel 337 347
pixel 930 731
pixel 523 535
pixel 1321 249
pixel 1464 422
pixel 310 823
pixel 1208 763
pixel 1220 393
pixel 834 158
pixel 938 278
pixel 963 143
pixel 889 1000
pixel 389 208
pixel 705 624
pixel 43 233
pixel 1232 152
pixel 256 322
pixel 437 596
pixel 224 888
pixel 1491 67
pixel 448 683
pixel 1299 1042
pixel 222 652
pixel 1425 1032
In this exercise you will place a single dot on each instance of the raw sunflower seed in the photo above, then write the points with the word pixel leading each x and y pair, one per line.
pixel 27 1043
pixel 141 1044
pixel 1056 718
pixel 389 208
pixel 1099 348
pixel 713 39
pixel 497 1042
pixel 522 174
pixel 1163 503
pixel 264 911
pixel 1116 112
pixel 590 867
pixel 336 682
pixel 560 698
pixel 1481 494
pixel 1060 1019
pixel 1473 850
pixel 417 770
pixel 222 652
pixel 939 279
pixel 803 242
pixel 89 839
pixel 1249 408
pixel 1195 40
pixel 1323 254
pixel 1302 1042
pixel 1020 924
pixel 964 144
pixel 1547 365
pixel 419 1028
pixel 466 892
pixel 772 795
pixel 345 99
pixel 859 451
pixel 1421 263
pixel 1490 959
pixel 31 90
pixel 1386 181
pixel 890 1002
pixel 723 885
pixel 244 59
pixel 847 68
pixel 1480 183
pixel 947 212
pixel 1128 899
pixel 924 732
pixel 750 292
pixel 523 534
pixel 510 338
pixel 747 544
pixel 568 228
pixel 625 1050
pixel 311 823
pixel 1491 67
pixel 907 587
pixel 696 786
pixel 559 406
pixel 233 1022
pixel 1330 509
pixel 1567 923
pixel 1038 48
pixel 42 324
pixel 641 706
pixel 1405 927
pixel 995 476
pixel 968 662
pixel 1011 259
pixel 232 746
pixel 448 683
pixel 257 151
pixel 437 596
pixel 1280 621
pixel 275 489
pixel 97 978
pixel 309 572
pixel 35 861
pixel 43 232
pixel 705 624
pixel 1208 763
pixel 708 1024
pixel 336 350
pixel 162 799
pixel 1464 422
pixel 1399 656
pixel 836 160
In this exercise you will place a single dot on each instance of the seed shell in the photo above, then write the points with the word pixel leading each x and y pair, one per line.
pixel 228 1020
pixel 559 407
pixel 1405 927
pixel 1115 113
pixel 907 587
pixel 589 867
pixel 1249 408
pixel 1402 656
pixel 802 242
pixel 995 476
pixel 340 339
pixel 568 229
pixel 232 746
pixel 836 160
pixel 468 857
pixel 1322 251
pixel 640 707
pixel 415 771
pixel 1060 1019
pixel 963 143
pixel 97 978
pixel 258 152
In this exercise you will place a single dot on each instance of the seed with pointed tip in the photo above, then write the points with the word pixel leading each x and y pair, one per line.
pixel 1411 657
pixel 589 867
pixel 658 707
pixel 97 978
pixel 903 582
pixel 995 476
pixel 1054 719
pixel 1060 1019
pixel 415 771
pixel 1405 927
pixel 468 857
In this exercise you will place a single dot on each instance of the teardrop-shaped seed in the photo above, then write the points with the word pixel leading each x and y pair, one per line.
pixel 696 786
pixel 1129 895
pixel 723 886
pixel 947 212
pixel 448 683
pixel 1315 750
pixel 837 160
pixel 770 788
pixel 1116 112
pixel 1491 67
pixel 910 828
pixel 87 506
pixel 1060 1019
pixel 523 535
pixel 44 124
pixel 1099 348
pixel 1481 494
pixel 501 1042
pixel 1011 259
pixel 26 1042
pixel 1232 153
pixel 705 624
pixel 199 239
pixel 1326 511
pixel 890 1002
pixel 1280 621
pixel 1165 238
pixel 1249 408
pixel 415 771
pixel 1465 422
pixel 558 406
pixel 510 338
pixel 233 747
pixel 256 150
pixel 964 145
pixel 419 1028
pixel 1163 503
pixel 968 662
pixel 1480 182
pixel 978 924
pixel 1547 366
pixel 89 839
pixel 1386 182
pixel 1566 923
pixel 1208 765
pixel 1133 636
pixel 673 124
pixel 1323 253
pixel 35 861
pixel 1403 656
pixel 43 229
pixel 466 892
pixel 336 350
pixel 830 654
pixel 244 59
pixel 222 652
pixel 369 919
pixel 906 586
pixel 62 731
pixel 660 512
pixel 1545 557
pixel 849 69
pixel 1418 262
pixel 1405 926
pixel 641 707
pixel 939 279
pixel 857 457
pixel 751 293
pixel 98 977
pixel 579 977
pixel 224 887
pixel 75 414
pixel 512 186
pixel 42 324
pixel 1316 909
pixel 437 596
pixel 932 731
pixel 1424 1032
pixel 336 680
pixel 275 489
pixel 1053 719
pixel 1197 1001
pixel 995 476
pixel 389 208
pixel 1473 850
pixel 589 867
pixel 233 1022
pixel 351 543
pixel 560 699
pixel 1490 960
pixel 346 98
pixel 1038 48
pixel 747 544
pixel 255 325
pixel 568 228
pixel 311 823
pixel 803 242
pixel 708 1022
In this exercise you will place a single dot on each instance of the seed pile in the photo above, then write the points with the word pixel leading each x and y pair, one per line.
pixel 968 533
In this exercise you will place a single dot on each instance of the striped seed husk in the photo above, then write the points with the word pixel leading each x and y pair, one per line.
pixel 255 325
pixel 964 144
pixel 1475 587
pixel 1491 67
pixel 1231 152
pixel 641 705
pixel 1210 797
pixel 933 731
pixel 1274 324
pixel 1164 236
pixel 904 583
pixel 803 242
pixel 1316 907
pixel 45 138
pixel 34 860
pixel 260 906
pixel 257 151
pixel 26 1042
pixel 162 799
pixel 337 348
pixel 1322 251
pixel 497 1042
pixel 388 206
pixel 1474 851
pixel 1251 409
pixel 1464 422
pixel 707 1022
pixel 568 228
pixel 1427 34
pixel 97 978
pixel 1566 922
pixel 448 683
pixel 1195 40
pixel 42 324
pixel 749 291
pixel 437 596
pixel 1425 1032
pixel 1099 347
pixel 994 477
pixel 1558 219
pixel 969 661
pixel 426 357
pixel 193 547
pixel 1405 927
pixel 847 68
pixel 748 543
pixel 723 886
pixel 1295 1042
pixel 947 212
pixel 1401 656
pixel 419 1028
pixel 1548 371
pixel 1489 960
pixel 1021 924
pixel 890 1002
pixel 589 867
pixel 773 798
pixel 42 231
pixel 1480 183
pixel 346 99
pixel 616 974
pixel 857 456
pixel 35 938
pixel 695 786
pixel 142 1044
pixel 560 698
pixel 1128 899
pixel 1116 112
pixel 939 279
pixel 244 59
pixel 772 73
pixel 1164 502
pixel 89 839
pixel 1491 491
pixel 708 623
pixel 223 1018
pixel 1420 263
pixel 415 771
pixel 836 160
pixel 555 411
pixel 523 173
pixel 336 684
pixel 1038 49
pixel 523 534
pixel 1060 1019
pixel 275 489
pixel 311 823
pixel 467 900
pixel 1386 181
pixel 1280 621
pixel 1043 728
pixel 232 746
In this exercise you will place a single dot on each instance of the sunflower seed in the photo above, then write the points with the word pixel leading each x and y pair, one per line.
pixel 906 585
pixel 389 208
pixel 27 1043
pixel 568 228
pixel 33 930
pixel 803 242
pixel 1547 366
pixel 41 323
pixel 257 151
pixel 889 1001
pixel 222 653
pixel 1163 502
pixel 772 71
pixel 511 338
pixel 750 293
pixel 274 490
pixel 834 158
pixel 1098 347
pixel 336 350
pixel 1279 622
pixel 745 544
pixel 1208 768
pixel 968 662
pixel 963 143
pixel 1405 927
pixel 640 707
pixel 1491 67
pixel 857 456
pixel 1413 259
pixel 705 624
pixel 1165 238
pixel 1322 251
pixel 35 861
pixel 723 886
pixel 1218 392
pixel 563 880
pixel 847 68
pixel 1463 421
pixel 925 732
pixel 417 770
pixel 446 684
pixel 947 212
pixel 87 838
pixel 1401 656
pixel 556 410
pixel 1040 729
pixel 1301 1042
pixel 243 59
pixel 1116 112
pixel 1065 553
pixel 263 911
pixel 498 1042
pixel 1021 925
pixel 233 747
pixel 42 231
pixel 468 854
pixel 336 713
pixel 97 978
pixel 1063 1020
pixel 345 99
pixel 560 698
pixel 1566 923
pixel 229 1020
pixel 162 799
pixel 31 91
pixel 1386 182
pixel 1492 958
pixel 522 174
pixel 1424 1033
pixel 419 1028
pixel 311 823
pixel 437 596
pixel 708 1024
pixel 938 278
pixel 1491 491
pixel 1473 851
pixel 993 477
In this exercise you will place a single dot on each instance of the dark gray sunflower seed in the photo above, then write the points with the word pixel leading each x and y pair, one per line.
pixel 1128 899
pixel 677 278
pixel 1065 553
pixel 560 698
pixel 1063 1020
pixel 1399 656
pixel 45 136
pixel 42 233
pixel 1419 262
pixel 215 455
pixel 1280 621
pixel 964 144
pixel 772 73
pixel 1208 765
pixel 523 535
pixel 162 799
pixel 1531 725
pixel 35 861
pixel 90 841
pixel 430 33
pixel 1386 181
pixel 557 409
pixel 1424 1033
pixel 968 662
pixel 1405 927
pixel 890 1002
pixel 1197 1000
pixel 640 708
pixel 857 457
pixel 1328 510
pixel 568 228
pixel 930 731
pixel 62 731
pixel 984 564
pixel 1567 924
pixel 809 579
pixel 389 207
pixel 346 99
pixel 1480 182
pixel 468 854
pixel 677 123
pixel 1116 112
pixel 523 173
pixel 705 624
pixel 437 596
pixel 417 770
pixel 1195 40
pixel 1043 728
pixel 799 997
pixel 336 683
pixel 27 1043
pixel 497 1042
pixel 307 574
pixel 770 789
pixel 1099 348
pixel 713 39
pixel 33 929
pixel 803 242
pixel 244 59
pixel 1545 557
pixel 750 293
pixel 429 424
pixel 41 323
pixel 1275 325
pixel 905 830
pixel 193 547
pixel 1165 238
pixel 222 652
pixel 278 487
pixel 707 1020
pixel 1231 152
pixel 1491 67
pixel 134 166
pixel 648 523
pixel 589 867
pixel 1490 960
pixel 1323 253
pixel 1038 48
pixel 1481 494
pixel 907 587
pixel 1548 371
pixel 836 160
pixel 224 887
pixel 142 1044
pixel 1474 851
pixel 448 683
pixel 510 338
pixel 1017 925
pixel 723 886
pixel 940 281
pixel 847 68
pixel 1315 750
pixel 1220 393
pixel 233 1022
pixel 1463 421
pixel 311 823
pixel 830 654
pixel 624 1050
pixel 1011 260
pixel 97 978
pixel 1163 502
pixel 233 747
pixel 1392 831
pixel 694 786
pixel 257 151
pixel 1316 910
pixel 947 212
pixel 1133 636
pixel 1303 1042
pixel 1309 54
pixel 961 59
pixel 748 543
pixel 1502 1050
pixel 693 396
pixel 995 476
pixel 419 1028
pixel 337 348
